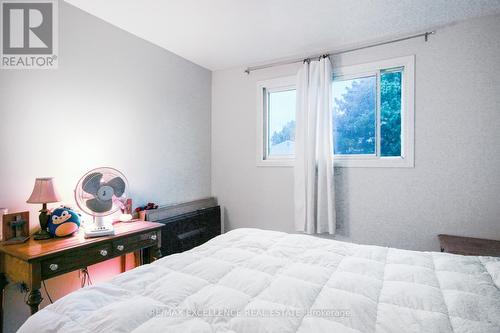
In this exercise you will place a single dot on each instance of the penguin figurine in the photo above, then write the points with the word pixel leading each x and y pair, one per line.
pixel 63 222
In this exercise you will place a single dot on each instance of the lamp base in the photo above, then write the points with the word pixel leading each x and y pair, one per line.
pixel 41 234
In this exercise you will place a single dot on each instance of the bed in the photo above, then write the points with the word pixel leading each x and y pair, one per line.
pixel 251 280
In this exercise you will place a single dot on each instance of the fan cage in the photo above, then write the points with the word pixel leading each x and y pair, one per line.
pixel 81 196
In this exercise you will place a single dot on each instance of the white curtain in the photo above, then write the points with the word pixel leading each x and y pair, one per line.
pixel 314 183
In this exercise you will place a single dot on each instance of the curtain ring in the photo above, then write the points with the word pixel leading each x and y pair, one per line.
pixel 307 60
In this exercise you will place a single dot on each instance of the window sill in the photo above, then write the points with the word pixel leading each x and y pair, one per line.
pixel 276 163
pixel 385 162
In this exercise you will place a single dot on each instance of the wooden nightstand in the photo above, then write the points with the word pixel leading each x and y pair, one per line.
pixel 469 246
pixel 34 261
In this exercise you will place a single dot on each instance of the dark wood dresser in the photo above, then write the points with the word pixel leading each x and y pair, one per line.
pixel 187 225
pixel 469 246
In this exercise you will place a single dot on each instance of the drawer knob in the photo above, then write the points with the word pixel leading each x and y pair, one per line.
pixel 153 236
pixel 53 267
pixel 103 253
pixel 120 247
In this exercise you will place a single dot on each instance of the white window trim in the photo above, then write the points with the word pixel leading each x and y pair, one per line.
pixel 272 85
pixel 407 159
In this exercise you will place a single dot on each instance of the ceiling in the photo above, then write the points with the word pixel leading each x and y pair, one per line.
pixel 219 34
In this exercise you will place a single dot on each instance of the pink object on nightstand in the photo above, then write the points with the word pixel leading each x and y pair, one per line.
pixel 44 192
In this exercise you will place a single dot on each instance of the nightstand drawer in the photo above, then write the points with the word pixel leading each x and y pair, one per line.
pixel 76 259
pixel 134 243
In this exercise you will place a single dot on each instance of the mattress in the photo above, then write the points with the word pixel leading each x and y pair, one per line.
pixel 251 280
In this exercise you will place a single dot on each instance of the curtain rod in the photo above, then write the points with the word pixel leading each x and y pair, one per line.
pixel 293 61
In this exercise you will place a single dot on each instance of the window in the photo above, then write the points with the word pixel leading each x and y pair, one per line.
pixel 276 122
pixel 354 114
pixel 372 116
pixel 390 112
pixel 281 123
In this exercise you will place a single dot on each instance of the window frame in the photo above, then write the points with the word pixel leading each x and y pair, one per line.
pixel 406 160
pixel 263 89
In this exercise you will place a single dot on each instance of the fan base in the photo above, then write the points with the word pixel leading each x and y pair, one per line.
pixel 98 231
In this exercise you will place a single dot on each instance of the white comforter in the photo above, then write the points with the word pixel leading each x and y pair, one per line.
pixel 250 280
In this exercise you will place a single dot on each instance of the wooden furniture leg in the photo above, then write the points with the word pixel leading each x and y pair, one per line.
pixel 34 300
pixel 137 257
pixel 157 253
pixel 123 263
pixel 146 256
pixel 156 250
pixel 152 253
pixel 3 284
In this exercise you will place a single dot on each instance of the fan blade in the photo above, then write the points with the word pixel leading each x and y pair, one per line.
pixel 98 206
pixel 118 186
pixel 92 182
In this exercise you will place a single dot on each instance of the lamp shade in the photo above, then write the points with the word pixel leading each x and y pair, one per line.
pixel 44 191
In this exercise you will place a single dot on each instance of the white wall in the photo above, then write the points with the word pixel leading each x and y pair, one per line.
pixel 455 185
pixel 116 100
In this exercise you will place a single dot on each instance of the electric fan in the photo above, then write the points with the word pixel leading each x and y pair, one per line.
pixel 99 193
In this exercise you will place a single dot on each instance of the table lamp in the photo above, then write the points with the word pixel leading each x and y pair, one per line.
pixel 44 192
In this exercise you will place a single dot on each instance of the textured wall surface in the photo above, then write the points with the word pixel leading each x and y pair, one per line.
pixel 221 34
pixel 455 185
pixel 116 100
